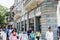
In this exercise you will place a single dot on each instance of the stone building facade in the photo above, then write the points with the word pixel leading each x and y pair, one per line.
pixel 37 14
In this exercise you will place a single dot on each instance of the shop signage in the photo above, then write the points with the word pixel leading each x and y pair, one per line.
pixel 38 14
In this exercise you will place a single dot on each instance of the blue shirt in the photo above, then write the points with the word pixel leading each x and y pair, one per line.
pixel 32 35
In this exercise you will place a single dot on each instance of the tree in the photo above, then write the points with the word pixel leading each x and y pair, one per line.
pixel 3 11
pixel 7 14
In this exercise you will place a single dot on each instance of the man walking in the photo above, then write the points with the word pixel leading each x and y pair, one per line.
pixel 23 35
pixel 49 34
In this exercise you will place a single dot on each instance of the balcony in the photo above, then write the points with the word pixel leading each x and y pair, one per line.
pixel 30 4
pixel 17 16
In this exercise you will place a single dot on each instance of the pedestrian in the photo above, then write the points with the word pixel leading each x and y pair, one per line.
pixel 2 35
pixel 5 29
pixel 10 31
pixel 17 31
pixel 32 35
pixel 23 35
pixel 58 32
pixel 49 34
pixel 13 35
pixel 38 34
pixel 29 31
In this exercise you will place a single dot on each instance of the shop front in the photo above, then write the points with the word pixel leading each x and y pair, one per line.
pixel 31 20
pixel 22 22
pixel 18 24
pixel 31 23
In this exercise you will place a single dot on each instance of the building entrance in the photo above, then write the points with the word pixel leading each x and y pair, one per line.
pixel 22 24
pixel 38 23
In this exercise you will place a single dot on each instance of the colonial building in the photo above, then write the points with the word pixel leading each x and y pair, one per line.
pixel 37 14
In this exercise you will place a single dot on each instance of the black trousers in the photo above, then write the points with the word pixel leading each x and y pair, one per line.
pixel 7 37
pixel 37 38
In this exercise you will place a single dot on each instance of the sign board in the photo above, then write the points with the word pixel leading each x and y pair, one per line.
pixel 38 14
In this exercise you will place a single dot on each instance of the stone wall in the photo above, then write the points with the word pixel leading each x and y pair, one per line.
pixel 49 17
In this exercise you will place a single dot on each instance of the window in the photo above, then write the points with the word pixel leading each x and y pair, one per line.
pixel 13 14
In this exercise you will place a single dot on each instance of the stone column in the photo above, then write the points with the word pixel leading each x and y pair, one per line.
pixel 34 23
pixel 24 21
pixel 58 13
pixel 20 24
pixel 27 21
pixel 34 20
pixel 15 24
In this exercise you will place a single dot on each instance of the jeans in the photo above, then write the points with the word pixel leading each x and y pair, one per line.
pixel 31 38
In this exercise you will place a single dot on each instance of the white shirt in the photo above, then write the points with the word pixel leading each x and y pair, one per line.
pixel 10 30
pixel 3 34
pixel 23 36
pixel 49 35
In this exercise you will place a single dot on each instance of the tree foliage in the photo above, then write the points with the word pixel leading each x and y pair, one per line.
pixel 3 11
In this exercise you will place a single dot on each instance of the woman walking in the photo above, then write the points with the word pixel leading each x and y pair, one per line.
pixel 38 34
pixel 13 35
pixel 32 35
